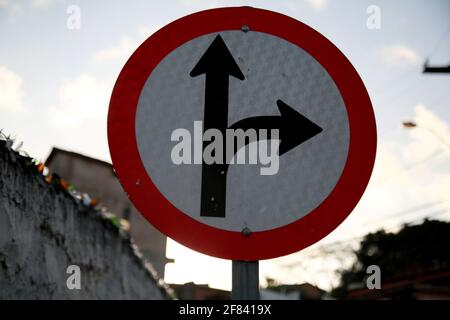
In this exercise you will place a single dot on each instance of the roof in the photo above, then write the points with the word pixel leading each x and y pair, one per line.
pixel 423 282
pixel 55 151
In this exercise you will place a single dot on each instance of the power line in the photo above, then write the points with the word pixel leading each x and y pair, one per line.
pixel 412 209
pixel 395 79
pixel 434 214
pixel 440 99
pixel 412 165
pixel 333 247
pixel 439 41
pixel 417 86
pixel 403 86
pixel 388 84
pixel 437 69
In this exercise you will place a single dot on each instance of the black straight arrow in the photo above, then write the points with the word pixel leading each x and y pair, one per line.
pixel 218 65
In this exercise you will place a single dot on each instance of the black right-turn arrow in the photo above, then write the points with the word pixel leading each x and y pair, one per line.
pixel 294 128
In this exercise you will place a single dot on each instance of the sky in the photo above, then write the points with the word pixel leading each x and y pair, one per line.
pixel 56 80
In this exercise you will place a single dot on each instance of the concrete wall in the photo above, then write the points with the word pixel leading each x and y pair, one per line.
pixel 43 230
pixel 97 178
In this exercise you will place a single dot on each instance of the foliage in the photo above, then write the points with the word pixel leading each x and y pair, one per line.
pixel 415 249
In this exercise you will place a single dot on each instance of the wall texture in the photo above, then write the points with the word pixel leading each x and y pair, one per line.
pixel 43 230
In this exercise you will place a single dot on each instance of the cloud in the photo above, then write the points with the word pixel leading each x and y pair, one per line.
pixel 120 51
pixel 400 55
pixel 42 3
pixel 15 9
pixel 430 135
pixel 296 5
pixel 292 4
pixel 208 4
pixel 34 3
pixel 318 4
pixel 145 32
pixel 80 99
pixel 408 173
pixel 125 47
pixel 10 90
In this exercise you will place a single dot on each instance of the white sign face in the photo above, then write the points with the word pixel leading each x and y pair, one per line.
pixel 273 69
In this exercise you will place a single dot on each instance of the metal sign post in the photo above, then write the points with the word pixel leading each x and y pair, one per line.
pixel 245 282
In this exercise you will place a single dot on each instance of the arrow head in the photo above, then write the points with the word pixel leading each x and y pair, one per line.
pixel 217 59
pixel 295 128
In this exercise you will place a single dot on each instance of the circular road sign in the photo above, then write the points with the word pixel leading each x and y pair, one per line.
pixel 201 83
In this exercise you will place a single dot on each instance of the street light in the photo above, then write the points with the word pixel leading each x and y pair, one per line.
pixel 409 124
pixel 412 124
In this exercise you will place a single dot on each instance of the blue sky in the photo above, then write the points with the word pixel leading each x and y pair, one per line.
pixel 55 85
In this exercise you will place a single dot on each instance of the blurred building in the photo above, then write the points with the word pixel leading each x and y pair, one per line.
pixel 97 179
pixel 431 285
pixel 304 291
pixel 267 294
pixel 192 291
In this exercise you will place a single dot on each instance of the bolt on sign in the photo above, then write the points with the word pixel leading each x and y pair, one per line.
pixel 241 133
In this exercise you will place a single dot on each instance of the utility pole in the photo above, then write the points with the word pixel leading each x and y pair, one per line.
pixel 435 69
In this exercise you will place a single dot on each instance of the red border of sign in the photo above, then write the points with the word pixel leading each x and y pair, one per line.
pixel 201 237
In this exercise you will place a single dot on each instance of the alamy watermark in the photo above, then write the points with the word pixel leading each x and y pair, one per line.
pixel 373 281
pixel 73 282
pixel 373 21
pixel 263 145
pixel 73 21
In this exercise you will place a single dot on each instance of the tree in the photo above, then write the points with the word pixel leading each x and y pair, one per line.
pixel 413 250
